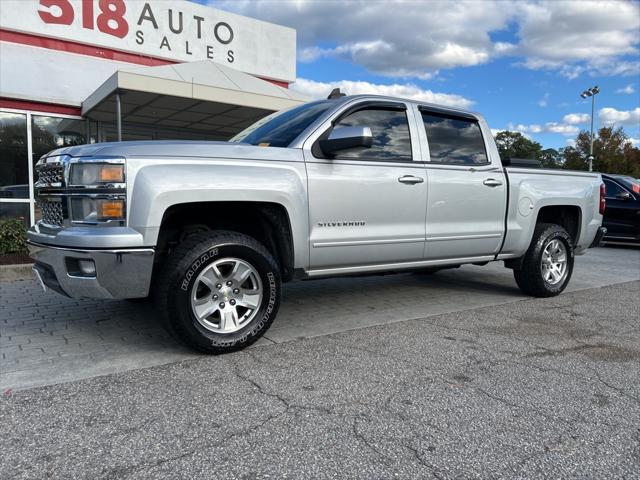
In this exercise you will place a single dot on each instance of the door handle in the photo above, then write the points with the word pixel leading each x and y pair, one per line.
pixel 492 182
pixel 410 179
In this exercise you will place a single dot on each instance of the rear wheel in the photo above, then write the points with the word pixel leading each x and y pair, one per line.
pixel 219 291
pixel 548 264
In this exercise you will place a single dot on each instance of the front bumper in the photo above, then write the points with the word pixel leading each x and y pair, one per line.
pixel 119 273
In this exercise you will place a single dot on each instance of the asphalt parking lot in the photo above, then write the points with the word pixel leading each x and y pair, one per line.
pixel 47 339
pixel 539 388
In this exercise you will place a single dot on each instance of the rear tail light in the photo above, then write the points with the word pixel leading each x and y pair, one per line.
pixel 636 187
pixel 603 202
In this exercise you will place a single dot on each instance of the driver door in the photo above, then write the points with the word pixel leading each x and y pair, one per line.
pixel 367 205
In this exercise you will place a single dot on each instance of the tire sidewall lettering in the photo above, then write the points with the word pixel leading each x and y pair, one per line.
pixel 192 270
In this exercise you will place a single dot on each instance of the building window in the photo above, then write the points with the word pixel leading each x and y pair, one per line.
pixel 14 168
pixel 24 138
pixel 49 133
pixel 15 210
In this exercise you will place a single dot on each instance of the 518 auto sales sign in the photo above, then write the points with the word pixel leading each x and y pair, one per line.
pixel 176 30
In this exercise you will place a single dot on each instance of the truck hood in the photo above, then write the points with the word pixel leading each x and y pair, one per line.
pixel 173 149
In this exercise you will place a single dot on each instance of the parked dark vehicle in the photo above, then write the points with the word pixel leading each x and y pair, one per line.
pixel 622 212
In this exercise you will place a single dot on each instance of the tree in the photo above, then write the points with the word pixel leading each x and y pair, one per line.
pixel 516 145
pixel 612 152
pixel 551 158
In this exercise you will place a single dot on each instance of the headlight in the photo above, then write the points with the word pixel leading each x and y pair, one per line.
pixel 87 209
pixel 88 174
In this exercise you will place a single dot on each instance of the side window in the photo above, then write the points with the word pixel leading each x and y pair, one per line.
pixel 390 129
pixel 612 189
pixel 454 140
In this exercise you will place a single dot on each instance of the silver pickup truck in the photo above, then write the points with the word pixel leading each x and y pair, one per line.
pixel 343 186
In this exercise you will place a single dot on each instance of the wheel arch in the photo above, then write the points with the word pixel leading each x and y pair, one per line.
pixel 567 216
pixel 267 222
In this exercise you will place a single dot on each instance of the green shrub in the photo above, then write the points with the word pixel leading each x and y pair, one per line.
pixel 13 236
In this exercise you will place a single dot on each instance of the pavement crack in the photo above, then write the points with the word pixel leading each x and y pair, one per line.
pixel 621 391
pixel 416 454
pixel 261 389
pixel 359 436
pixel 521 407
pixel 288 405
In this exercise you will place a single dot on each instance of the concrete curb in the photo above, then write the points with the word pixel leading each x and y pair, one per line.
pixel 11 273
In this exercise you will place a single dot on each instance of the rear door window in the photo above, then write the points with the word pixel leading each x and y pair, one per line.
pixel 454 140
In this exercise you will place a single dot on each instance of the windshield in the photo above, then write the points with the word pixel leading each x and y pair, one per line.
pixel 281 128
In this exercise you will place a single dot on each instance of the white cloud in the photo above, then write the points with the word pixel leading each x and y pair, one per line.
pixel 628 90
pixel 561 128
pixel 544 101
pixel 610 116
pixel 635 142
pixel 417 39
pixel 314 89
pixel 549 127
pixel 569 126
pixel 579 37
pixel 576 118
pixel 395 39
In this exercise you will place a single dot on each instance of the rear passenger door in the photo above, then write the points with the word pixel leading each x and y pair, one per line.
pixel 467 191
pixel 367 205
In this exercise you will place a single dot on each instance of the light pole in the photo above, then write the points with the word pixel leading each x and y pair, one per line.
pixel 591 92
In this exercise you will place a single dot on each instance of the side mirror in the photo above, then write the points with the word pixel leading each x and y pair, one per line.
pixel 623 196
pixel 342 138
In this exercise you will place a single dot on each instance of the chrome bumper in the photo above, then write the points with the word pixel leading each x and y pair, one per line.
pixel 119 273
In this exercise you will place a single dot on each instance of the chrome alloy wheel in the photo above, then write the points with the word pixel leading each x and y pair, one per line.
pixel 554 262
pixel 226 295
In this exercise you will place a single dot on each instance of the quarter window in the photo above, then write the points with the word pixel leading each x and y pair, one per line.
pixel 454 140
pixel 390 129
pixel 612 189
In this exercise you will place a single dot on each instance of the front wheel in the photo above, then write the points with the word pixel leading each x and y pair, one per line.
pixel 548 264
pixel 219 291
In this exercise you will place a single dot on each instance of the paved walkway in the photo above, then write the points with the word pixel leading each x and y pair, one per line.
pixel 47 339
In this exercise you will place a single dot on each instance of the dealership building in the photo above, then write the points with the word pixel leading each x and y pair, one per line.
pixel 84 71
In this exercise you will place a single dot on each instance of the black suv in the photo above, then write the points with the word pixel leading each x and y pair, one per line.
pixel 622 212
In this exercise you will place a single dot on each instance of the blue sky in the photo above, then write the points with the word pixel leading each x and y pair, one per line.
pixel 522 64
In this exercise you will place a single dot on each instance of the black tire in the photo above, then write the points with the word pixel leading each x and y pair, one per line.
pixel 177 276
pixel 529 276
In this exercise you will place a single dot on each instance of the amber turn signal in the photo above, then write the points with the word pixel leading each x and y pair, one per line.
pixel 111 209
pixel 112 173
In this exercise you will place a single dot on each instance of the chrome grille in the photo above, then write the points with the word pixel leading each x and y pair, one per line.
pixel 52 212
pixel 50 175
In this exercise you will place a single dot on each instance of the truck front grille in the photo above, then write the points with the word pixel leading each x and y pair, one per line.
pixel 52 211
pixel 50 175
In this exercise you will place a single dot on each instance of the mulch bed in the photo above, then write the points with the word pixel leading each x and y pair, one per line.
pixel 15 259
